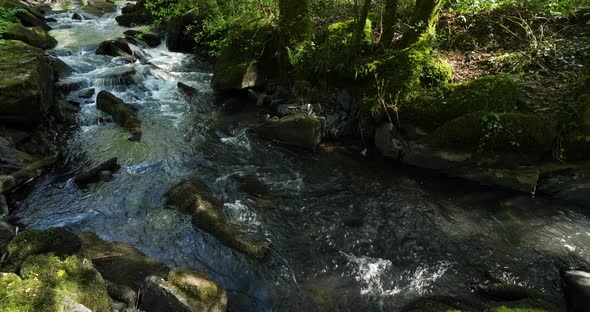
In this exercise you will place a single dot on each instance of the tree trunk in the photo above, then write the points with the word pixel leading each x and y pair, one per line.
pixel 359 29
pixel 389 14
pixel 294 20
pixel 423 22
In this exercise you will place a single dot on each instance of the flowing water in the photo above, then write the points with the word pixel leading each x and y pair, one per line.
pixel 415 235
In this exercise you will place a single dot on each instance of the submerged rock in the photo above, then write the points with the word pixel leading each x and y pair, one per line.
pixel 185 290
pixel 34 36
pixel 122 113
pixel 192 196
pixel 86 93
pixel 298 130
pixel 26 84
pixel 96 174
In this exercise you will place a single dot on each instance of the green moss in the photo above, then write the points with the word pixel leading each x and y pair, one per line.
pixel 33 242
pixel 34 36
pixel 48 283
pixel 491 131
pixel 196 285
pixel 331 57
pixel 490 93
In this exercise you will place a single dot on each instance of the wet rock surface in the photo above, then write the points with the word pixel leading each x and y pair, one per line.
pixel 194 197
pixel 121 112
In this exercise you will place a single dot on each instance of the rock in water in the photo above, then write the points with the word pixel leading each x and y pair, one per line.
pixel 96 174
pixel 122 113
pixel 298 130
pixel 186 290
pixel 577 290
pixel 150 39
pixel 117 47
pixel 26 84
pixel 192 196
pixel 99 7
pixel 187 90
pixel 34 36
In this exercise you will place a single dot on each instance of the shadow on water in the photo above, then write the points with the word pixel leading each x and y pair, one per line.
pixel 348 234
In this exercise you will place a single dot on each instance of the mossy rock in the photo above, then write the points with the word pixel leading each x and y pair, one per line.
pixel 299 130
pixel 50 284
pixel 58 241
pixel 199 287
pixel 99 7
pixel 27 15
pixel 120 263
pixel 497 132
pixel 34 36
pixel 26 84
pixel 576 145
pixel 490 93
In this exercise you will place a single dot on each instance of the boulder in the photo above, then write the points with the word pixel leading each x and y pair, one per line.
pixel 186 290
pixel 576 286
pixel 58 241
pixel 99 7
pixel 86 93
pixel 11 159
pixel 26 84
pixel 122 113
pixel 192 196
pixel 34 36
pixel 27 15
pixel 135 15
pixel 7 232
pixel 117 47
pixel 388 142
pixel 77 16
pixel 179 38
pixel 94 175
pixel 151 40
pixel 298 130
pixel 119 263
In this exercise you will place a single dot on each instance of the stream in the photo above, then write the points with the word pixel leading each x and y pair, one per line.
pixel 347 234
